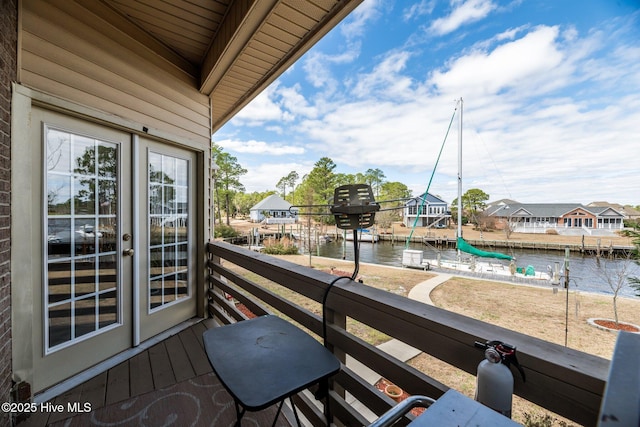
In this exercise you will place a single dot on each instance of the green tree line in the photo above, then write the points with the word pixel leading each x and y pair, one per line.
pixel 314 188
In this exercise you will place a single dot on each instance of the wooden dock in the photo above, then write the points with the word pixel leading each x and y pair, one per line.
pixel 598 250
pixel 607 249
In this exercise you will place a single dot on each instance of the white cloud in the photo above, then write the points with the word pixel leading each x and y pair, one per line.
pixel 463 12
pixel 262 109
pixel 265 176
pixel 509 34
pixel 355 25
pixel 522 63
pixel 516 132
pixel 317 66
pixel 385 80
pixel 259 147
pixel 294 102
pixel 538 125
pixel 423 7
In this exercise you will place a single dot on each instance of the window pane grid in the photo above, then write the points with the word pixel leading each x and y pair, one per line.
pixel 82 218
pixel 168 229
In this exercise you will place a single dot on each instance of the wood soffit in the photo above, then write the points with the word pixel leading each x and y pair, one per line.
pixel 233 48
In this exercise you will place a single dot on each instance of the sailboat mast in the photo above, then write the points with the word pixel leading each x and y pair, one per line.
pixel 460 171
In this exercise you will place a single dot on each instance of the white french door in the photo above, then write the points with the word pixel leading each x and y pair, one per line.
pixel 86 286
pixel 119 231
pixel 167 226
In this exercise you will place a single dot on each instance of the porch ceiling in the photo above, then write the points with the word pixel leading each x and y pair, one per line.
pixel 234 48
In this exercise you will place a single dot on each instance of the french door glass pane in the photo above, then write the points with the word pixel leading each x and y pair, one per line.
pixel 168 229
pixel 82 225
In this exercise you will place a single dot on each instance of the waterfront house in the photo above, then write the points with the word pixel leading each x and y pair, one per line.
pixel 274 210
pixel 629 212
pixel 561 217
pixel 430 211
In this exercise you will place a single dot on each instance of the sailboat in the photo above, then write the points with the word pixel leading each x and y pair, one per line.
pixel 364 235
pixel 469 264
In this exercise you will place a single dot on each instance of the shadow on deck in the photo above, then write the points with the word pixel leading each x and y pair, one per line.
pixel 171 383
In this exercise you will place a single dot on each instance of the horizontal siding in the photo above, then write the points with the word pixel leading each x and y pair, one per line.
pixel 77 87
pixel 86 61
pixel 47 54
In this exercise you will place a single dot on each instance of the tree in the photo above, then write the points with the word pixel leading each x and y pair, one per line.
pixel 509 228
pixel 345 179
pixel 394 191
pixel 216 150
pixel 473 201
pixel 634 281
pixel 227 179
pixel 282 186
pixel 322 179
pixel 384 219
pixel 245 201
pixel 292 178
pixel 107 163
pixel 317 188
pixel 287 181
pixel 375 178
pixel 616 276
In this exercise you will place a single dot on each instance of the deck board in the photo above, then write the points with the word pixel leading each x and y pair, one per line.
pixel 94 390
pixel 140 374
pixel 36 419
pixel 118 383
pixel 198 330
pixel 182 369
pixel 61 401
pixel 176 359
pixel 197 357
pixel 161 366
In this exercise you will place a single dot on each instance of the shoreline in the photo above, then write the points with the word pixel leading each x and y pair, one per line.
pixel 400 233
pixel 439 277
pixel 471 234
pixel 304 260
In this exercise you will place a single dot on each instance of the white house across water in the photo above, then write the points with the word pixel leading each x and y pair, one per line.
pixel 274 210
pixel 430 210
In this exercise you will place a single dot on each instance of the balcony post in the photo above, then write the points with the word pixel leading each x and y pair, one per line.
pixel 338 320
pixel 212 258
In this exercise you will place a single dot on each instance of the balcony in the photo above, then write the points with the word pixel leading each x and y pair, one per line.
pixel 565 381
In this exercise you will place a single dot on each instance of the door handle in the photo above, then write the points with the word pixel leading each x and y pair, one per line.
pixel 127 252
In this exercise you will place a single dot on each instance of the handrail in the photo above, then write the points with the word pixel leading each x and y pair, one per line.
pixel 562 380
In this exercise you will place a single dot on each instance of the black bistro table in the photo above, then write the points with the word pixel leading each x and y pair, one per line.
pixel 266 360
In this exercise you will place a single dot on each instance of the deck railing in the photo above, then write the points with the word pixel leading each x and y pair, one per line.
pixel 565 381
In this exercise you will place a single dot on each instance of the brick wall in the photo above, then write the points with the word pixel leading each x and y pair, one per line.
pixel 8 63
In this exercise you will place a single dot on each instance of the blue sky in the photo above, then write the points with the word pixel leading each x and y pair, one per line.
pixel 551 92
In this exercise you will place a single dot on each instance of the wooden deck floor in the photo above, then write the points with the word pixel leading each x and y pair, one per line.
pixel 178 359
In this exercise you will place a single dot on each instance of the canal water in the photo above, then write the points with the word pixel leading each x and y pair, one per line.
pixel 586 273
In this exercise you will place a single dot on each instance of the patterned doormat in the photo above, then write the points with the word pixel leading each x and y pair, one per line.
pixel 200 401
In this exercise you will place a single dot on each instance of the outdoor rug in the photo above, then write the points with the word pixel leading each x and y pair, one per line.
pixel 200 401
